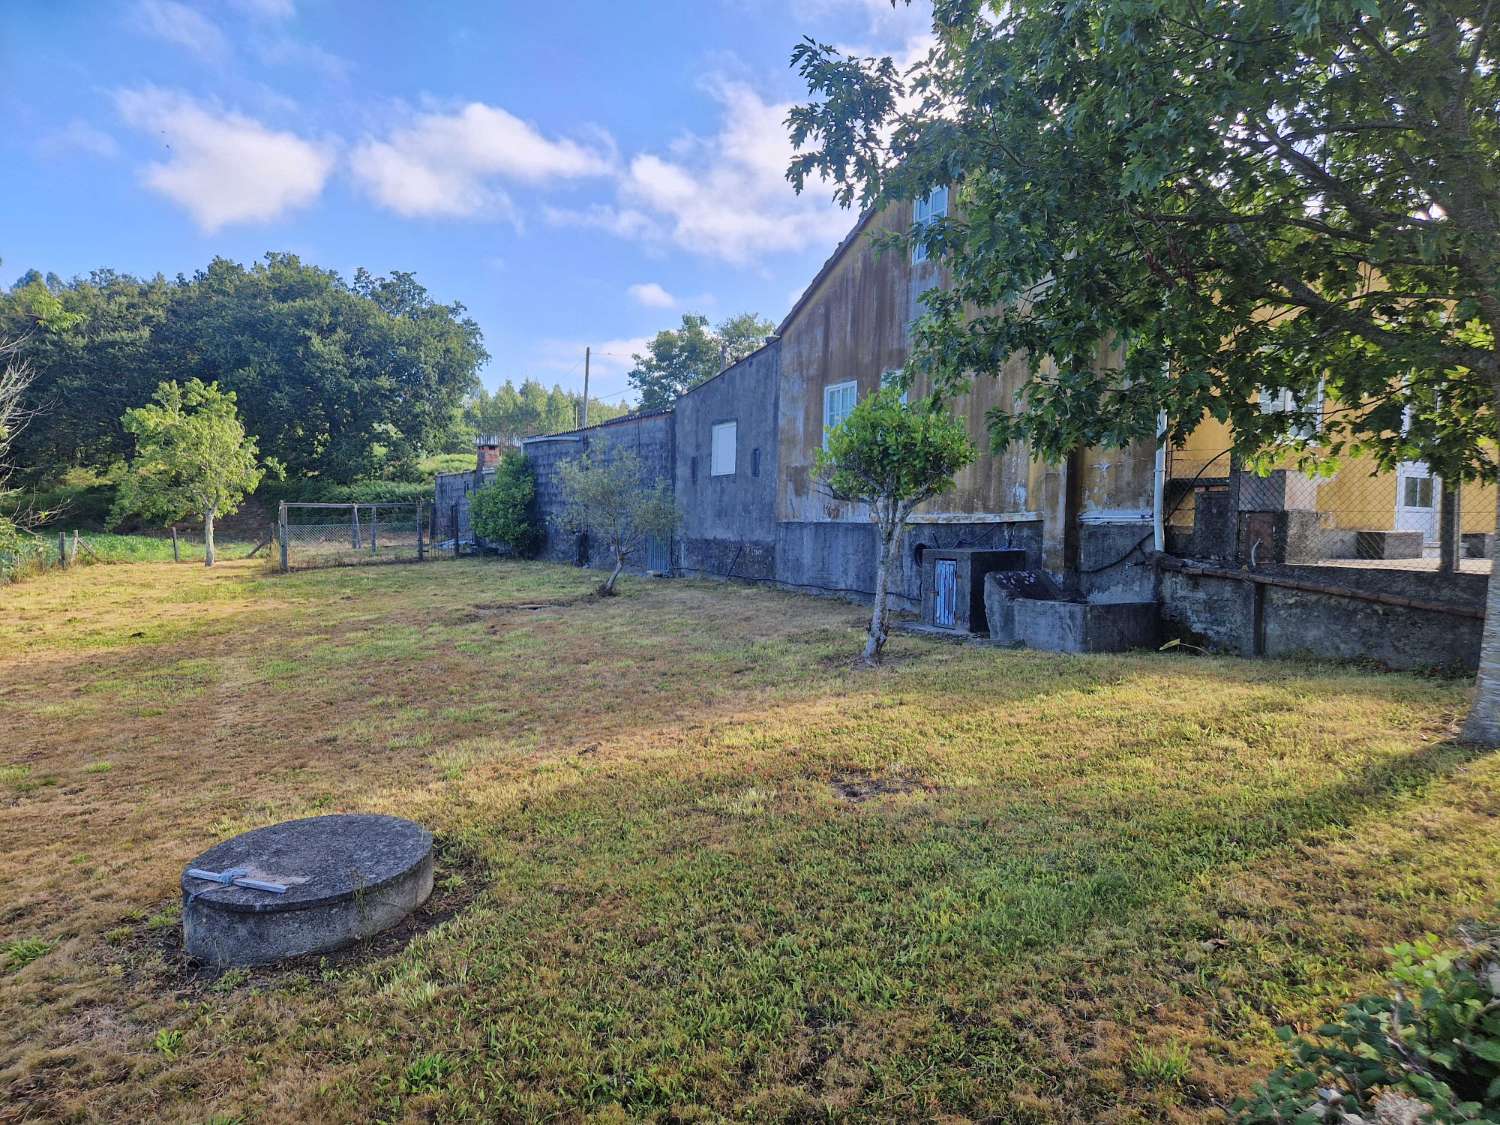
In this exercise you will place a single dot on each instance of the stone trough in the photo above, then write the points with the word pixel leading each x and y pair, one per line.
pixel 345 878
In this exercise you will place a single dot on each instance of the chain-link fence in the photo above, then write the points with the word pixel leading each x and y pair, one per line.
pixel 1404 518
pixel 319 535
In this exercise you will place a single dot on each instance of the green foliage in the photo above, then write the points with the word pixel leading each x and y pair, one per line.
pixel 319 491
pixel 1209 199
pixel 611 501
pixel 23 951
pixel 511 414
pixel 677 360
pixel 168 1043
pixel 892 455
pixel 339 379
pixel 1434 1042
pixel 504 511
pixel 192 455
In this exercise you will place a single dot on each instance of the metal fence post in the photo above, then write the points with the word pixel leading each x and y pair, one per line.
pixel 281 534
pixel 453 519
pixel 374 525
pixel 421 520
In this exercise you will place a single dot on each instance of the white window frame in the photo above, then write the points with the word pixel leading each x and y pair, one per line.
pixel 723 455
pixel 889 378
pixel 849 387
pixel 930 207
pixel 1280 400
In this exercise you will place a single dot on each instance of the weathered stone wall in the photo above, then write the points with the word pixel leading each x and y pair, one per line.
pixel 1219 613
pixel 648 436
pixel 451 499
pixel 729 521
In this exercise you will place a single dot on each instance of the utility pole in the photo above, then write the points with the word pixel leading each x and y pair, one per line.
pixel 586 353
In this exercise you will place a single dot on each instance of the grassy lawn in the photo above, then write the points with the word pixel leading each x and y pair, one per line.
pixel 715 870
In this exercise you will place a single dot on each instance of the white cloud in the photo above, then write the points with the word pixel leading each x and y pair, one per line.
pixel 182 26
pixel 79 136
pixel 723 196
pixel 224 167
pixel 449 164
pixel 652 295
pixel 286 51
pixel 609 361
pixel 268 9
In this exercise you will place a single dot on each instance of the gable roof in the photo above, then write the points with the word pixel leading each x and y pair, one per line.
pixel 833 259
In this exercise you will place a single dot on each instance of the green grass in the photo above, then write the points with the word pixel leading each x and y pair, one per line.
pixel 717 871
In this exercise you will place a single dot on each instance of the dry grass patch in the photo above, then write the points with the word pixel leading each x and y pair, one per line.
pixel 716 871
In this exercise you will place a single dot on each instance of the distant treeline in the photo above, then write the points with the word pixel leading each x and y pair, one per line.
pixel 339 380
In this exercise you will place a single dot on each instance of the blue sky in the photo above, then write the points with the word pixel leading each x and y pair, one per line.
pixel 574 172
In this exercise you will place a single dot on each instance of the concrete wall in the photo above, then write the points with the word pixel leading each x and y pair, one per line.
pixel 729 521
pixel 453 490
pixel 1219 614
pixel 648 436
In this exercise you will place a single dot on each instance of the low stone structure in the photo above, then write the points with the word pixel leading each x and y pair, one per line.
pixel 346 877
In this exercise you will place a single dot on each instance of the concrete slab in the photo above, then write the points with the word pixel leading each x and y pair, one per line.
pixel 347 877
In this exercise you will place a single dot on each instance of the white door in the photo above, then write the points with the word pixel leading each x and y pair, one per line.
pixel 1417 493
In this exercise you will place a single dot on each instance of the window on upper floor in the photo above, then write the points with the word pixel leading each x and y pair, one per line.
pixel 722 450
pixel 1280 400
pixel 892 378
pixel 838 404
pixel 931 207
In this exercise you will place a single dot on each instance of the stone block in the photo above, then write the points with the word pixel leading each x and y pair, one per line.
pixel 1064 626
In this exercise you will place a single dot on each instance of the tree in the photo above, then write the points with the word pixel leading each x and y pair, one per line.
pixel 611 501
pixel 892 456
pixel 504 510
pixel 191 458
pixel 15 376
pixel 340 380
pixel 513 414
pixel 1225 198
pixel 677 360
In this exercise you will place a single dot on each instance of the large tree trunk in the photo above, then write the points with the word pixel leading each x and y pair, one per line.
pixel 208 537
pixel 875 641
pixel 1483 724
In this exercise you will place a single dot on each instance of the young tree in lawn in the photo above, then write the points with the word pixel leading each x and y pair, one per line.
pixel 1225 197
pixel 892 456
pixel 192 457
pixel 610 501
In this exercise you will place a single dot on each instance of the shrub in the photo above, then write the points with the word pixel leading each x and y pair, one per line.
pixel 1429 1053
pixel 312 490
pixel 504 511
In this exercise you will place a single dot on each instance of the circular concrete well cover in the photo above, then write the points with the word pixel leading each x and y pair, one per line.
pixel 346 877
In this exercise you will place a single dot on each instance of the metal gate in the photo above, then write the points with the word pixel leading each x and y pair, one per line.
pixel 315 535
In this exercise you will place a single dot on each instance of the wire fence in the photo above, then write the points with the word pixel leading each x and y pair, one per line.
pixel 1359 516
pixel 322 535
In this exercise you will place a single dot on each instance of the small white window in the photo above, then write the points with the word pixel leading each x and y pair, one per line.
pixel 838 404
pixel 1280 400
pixel 932 206
pixel 721 453
pixel 892 378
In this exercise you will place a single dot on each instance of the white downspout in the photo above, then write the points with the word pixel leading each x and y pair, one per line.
pixel 1159 487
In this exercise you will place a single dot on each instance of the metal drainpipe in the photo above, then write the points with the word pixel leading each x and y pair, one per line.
pixel 1159 487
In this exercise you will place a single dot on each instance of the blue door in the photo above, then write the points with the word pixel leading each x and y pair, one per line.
pixel 945 593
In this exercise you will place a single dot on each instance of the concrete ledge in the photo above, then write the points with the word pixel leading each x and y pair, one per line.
pixel 1388 544
pixel 1059 626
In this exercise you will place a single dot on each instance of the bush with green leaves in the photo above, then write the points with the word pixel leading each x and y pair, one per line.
pixel 504 511
pixel 892 456
pixel 1429 1053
